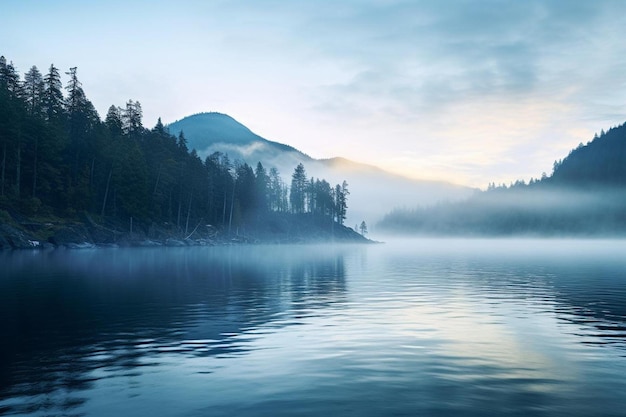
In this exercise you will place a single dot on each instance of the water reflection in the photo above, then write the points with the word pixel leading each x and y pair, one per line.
pixel 578 282
pixel 430 327
pixel 73 317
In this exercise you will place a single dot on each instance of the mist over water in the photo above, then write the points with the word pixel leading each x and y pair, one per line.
pixel 550 211
pixel 412 327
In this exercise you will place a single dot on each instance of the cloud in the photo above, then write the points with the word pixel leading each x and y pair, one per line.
pixel 513 79
pixel 481 91
pixel 425 55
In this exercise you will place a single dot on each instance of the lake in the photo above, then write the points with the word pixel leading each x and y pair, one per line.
pixel 407 328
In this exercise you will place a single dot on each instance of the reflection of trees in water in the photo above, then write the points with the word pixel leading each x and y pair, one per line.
pixel 317 285
pixel 594 297
pixel 72 318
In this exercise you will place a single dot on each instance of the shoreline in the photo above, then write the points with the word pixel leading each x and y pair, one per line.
pixel 85 233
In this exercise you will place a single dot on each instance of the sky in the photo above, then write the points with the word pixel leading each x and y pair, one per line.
pixel 470 92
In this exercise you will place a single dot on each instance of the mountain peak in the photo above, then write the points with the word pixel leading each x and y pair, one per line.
pixel 212 131
pixel 203 128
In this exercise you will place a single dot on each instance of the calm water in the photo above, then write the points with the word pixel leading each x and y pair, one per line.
pixel 413 328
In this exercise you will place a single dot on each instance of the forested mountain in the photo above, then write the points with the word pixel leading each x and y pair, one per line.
pixel 214 132
pixel 601 162
pixel 60 160
pixel 217 132
pixel 585 195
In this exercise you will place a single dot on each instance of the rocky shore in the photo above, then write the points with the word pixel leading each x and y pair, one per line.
pixel 85 232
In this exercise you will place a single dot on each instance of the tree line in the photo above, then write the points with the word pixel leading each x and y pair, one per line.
pixel 584 195
pixel 59 158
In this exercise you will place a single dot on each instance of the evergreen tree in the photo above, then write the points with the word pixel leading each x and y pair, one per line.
pixel 113 121
pixel 13 136
pixel 34 91
pixel 9 121
pixel 56 153
pixel 341 201
pixel 262 188
pixel 246 192
pixel 131 119
pixel 10 79
pixel 363 228
pixel 53 97
pixel 298 190
pixel 182 142
pixel 276 186
pixel 159 129
pixel 75 92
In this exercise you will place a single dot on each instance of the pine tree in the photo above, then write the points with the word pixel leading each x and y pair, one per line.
pixel 53 97
pixel 113 121
pixel 262 188
pixel 131 119
pixel 341 201
pixel 34 91
pixel 275 191
pixel 10 79
pixel 298 190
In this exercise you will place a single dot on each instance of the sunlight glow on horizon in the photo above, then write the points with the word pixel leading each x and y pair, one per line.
pixel 471 94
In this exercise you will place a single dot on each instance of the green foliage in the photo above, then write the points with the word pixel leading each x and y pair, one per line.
pixel 57 157
pixel 585 195
pixel 298 188
pixel 30 206
pixel 5 217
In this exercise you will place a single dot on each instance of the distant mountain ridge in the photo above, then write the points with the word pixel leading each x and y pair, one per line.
pixel 584 196
pixel 373 191
pixel 203 130
pixel 602 161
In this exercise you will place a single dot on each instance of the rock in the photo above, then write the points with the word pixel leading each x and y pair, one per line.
pixel 75 236
pixel 12 238
pixel 82 245
pixel 149 243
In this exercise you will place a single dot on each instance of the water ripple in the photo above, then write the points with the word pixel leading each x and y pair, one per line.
pixel 415 329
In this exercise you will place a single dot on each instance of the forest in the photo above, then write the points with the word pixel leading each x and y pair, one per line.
pixel 584 196
pixel 61 160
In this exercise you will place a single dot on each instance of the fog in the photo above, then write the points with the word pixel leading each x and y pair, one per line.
pixel 373 191
pixel 530 211
pixel 316 329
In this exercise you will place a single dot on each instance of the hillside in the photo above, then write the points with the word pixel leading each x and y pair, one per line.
pixel 373 191
pixel 601 162
pixel 584 196
pixel 211 132
pixel 70 177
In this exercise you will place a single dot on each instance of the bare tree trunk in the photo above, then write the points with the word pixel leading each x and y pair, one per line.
pixel 169 207
pixel 232 204
pixel 156 184
pixel 35 169
pixel 18 171
pixel 93 163
pixel 188 213
pixel 180 203
pixel 224 210
pixel 4 162
pixel 180 196
pixel 106 193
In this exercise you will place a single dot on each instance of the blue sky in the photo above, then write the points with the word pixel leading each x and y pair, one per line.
pixel 465 91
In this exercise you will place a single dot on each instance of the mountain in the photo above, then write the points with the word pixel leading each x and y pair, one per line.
pixel 602 161
pixel 584 196
pixel 213 132
pixel 373 191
